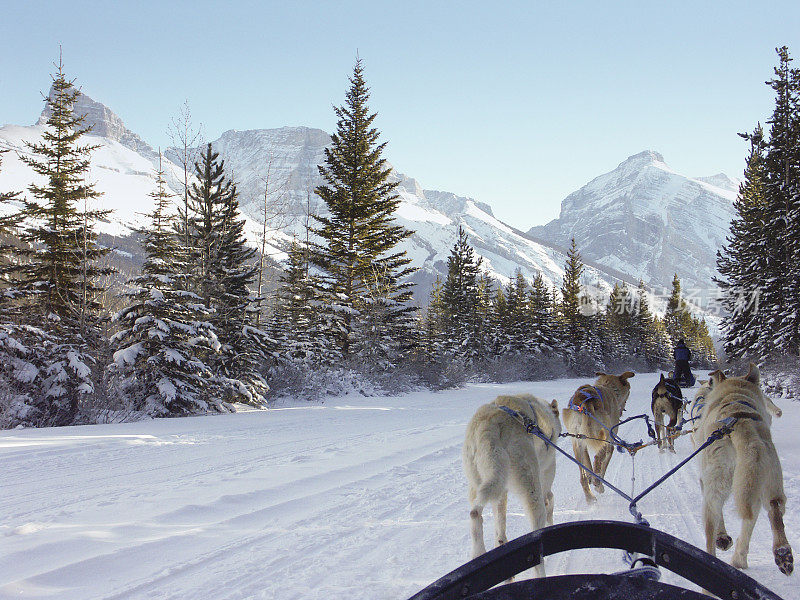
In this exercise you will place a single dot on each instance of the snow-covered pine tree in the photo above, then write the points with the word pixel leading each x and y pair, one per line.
pixel 742 263
pixel 677 317
pixel 618 331
pixel 20 359
pixel 158 357
pixel 295 325
pixel 61 274
pixel 569 307
pixel 517 319
pixel 649 331
pixel 221 277
pixel 542 334
pixel 461 299
pixel 781 290
pixel 358 237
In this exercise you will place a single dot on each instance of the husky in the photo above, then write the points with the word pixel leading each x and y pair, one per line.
pixel 696 408
pixel 744 462
pixel 591 406
pixel 667 401
pixel 500 455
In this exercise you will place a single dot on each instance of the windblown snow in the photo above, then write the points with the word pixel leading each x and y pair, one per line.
pixel 354 498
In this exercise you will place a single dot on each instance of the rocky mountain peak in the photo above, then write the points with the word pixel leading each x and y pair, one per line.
pixel 104 123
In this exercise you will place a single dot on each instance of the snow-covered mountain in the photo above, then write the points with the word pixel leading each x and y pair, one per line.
pixel 123 168
pixel 617 219
pixel 648 221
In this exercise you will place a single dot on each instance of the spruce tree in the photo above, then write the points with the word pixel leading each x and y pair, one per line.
pixel 222 274
pixel 461 298
pixel 61 276
pixel 569 308
pixel 358 237
pixel 743 262
pixel 780 289
pixel 157 352
pixel 543 337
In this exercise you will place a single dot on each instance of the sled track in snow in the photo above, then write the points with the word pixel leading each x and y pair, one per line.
pixel 308 503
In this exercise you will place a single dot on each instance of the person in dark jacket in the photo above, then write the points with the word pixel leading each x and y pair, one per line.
pixel 683 374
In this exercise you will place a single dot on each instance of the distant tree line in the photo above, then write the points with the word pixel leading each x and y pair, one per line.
pixel 193 336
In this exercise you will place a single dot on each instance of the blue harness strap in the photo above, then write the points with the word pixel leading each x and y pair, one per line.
pixel 589 392
pixel 528 423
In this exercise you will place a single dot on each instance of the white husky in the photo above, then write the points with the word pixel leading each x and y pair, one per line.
pixel 499 454
pixel 744 462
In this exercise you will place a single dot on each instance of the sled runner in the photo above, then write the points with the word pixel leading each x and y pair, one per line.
pixel 473 580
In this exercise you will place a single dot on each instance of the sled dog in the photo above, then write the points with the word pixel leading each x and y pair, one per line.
pixel 604 402
pixel 667 401
pixel 745 463
pixel 696 409
pixel 500 455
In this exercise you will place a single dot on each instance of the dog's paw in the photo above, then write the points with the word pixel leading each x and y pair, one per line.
pixel 671 449
pixel 740 562
pixel 784 560
pixel 591 500
pixel 599 487
pixel 724 541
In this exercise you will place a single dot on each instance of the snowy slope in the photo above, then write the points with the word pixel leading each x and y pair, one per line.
pixel 357 498
pixel 648 221
pixel 632 223
pixel 123 168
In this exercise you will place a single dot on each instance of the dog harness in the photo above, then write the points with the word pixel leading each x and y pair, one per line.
pixel 589 392
pixel 530 424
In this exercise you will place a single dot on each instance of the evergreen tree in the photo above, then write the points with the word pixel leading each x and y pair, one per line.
pixel 780 289
pixel 61 275
pixel 358 238
pixel 570 305
pixel 158 358
pixel 221 277
pixel 461 298
pixel 742 263
pixel 650 333
pixel 543 336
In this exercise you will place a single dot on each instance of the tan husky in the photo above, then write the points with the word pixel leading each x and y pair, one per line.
pixel 605 401
pixel 499 454
pixel 744 462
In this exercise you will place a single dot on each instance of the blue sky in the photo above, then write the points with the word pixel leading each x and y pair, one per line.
pixel 516 105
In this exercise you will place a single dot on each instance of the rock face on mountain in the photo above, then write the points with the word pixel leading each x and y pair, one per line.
pixel 642 220
pixel 648 221
pixel 104 123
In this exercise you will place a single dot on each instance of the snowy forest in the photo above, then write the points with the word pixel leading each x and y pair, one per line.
pixel 197 332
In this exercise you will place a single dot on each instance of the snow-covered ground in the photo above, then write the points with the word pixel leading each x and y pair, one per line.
pixel 356 498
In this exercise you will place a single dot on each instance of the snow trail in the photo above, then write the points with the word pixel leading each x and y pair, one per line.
pixel 357 498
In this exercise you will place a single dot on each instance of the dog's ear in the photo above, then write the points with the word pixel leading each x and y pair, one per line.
pixel 599 374
pixel 626 375
pixel 753 375
pixel 716 377
pixel 705 382
pixel 662 379
pixel 554 406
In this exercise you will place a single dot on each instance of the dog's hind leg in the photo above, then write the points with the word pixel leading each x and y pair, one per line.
pixel 500 509
pixel 673 421
pixel 739 559
pixel 548 503
pixel 601 460
pixel 476 525
pixel 528 485
pixel 780 545
pixel 582 456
